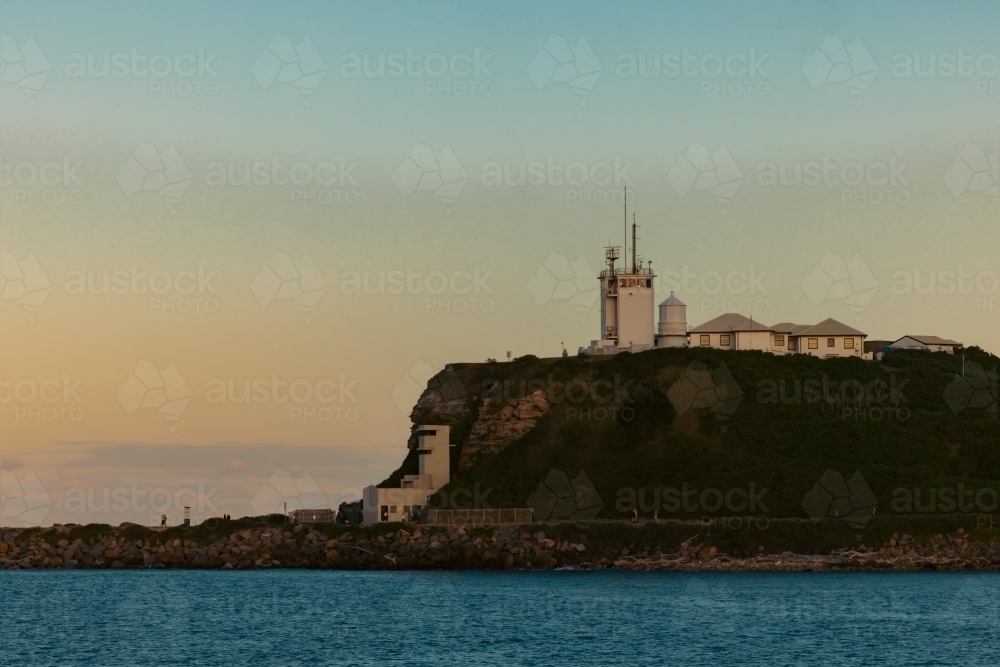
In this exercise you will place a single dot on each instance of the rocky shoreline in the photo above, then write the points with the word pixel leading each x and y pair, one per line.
pixel 385 547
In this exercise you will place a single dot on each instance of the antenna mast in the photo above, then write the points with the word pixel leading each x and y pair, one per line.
pixel 635 266
pixel 625 220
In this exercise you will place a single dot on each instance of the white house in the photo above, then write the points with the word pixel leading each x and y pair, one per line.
pixel 930 343
pixel 390 504
pixel 732 331
pixel 827 339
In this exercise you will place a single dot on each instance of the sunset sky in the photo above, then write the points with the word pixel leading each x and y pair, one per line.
pixel 327 199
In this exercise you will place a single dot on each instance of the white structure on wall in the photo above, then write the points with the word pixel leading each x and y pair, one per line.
pixel 672 330
pixel 391 504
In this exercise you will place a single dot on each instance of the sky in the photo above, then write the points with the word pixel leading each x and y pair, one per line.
pixel 237 238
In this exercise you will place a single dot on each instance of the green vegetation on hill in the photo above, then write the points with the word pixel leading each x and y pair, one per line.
pixel 693 433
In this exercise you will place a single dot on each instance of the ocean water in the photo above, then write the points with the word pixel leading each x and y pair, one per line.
pixel 301 617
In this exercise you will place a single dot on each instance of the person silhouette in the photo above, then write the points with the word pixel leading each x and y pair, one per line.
pixel 163 521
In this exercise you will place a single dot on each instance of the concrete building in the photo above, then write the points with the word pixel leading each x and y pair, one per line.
pixel 626 305
pixel 391 504
pixel 928 343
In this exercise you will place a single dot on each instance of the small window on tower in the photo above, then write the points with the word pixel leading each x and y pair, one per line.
pixel 649 282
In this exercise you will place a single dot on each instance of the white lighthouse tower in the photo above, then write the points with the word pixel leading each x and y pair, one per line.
pixel 626 305
pixel 672 330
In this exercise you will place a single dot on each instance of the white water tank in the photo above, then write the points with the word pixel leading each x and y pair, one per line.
pixel 672 329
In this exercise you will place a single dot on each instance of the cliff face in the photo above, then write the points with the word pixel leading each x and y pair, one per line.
pixel 675 430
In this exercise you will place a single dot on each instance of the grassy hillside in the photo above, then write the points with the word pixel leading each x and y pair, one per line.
pixel 693 432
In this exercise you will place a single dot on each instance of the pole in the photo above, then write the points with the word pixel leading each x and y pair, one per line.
pixel 625 220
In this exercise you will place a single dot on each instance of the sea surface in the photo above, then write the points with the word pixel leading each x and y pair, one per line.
pixel 302 617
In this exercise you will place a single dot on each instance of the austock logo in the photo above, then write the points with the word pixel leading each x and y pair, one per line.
pixel 284 62
pixel 974 170
pixel 558 279
pixel 424 169
pixel 23 499
pixel 976 388
pixel 702 171
pixel 23 64
pixel 149 388
pixel 560 499
pixel 558 62
pixel 284 279
pixel 833 279
pixel 833 497
pixel 24 282
pixel 148 170
pixel 282 491
pixel 441 387
pixel 698 387
pixel 835 62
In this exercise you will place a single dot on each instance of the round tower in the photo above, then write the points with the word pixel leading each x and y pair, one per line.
pixel 672 329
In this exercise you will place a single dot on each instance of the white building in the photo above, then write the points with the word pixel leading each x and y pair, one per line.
pixel 829 338
pixel 672 330
pixel 626 305
pixel 733 331
pixel 382 504
pixel 929 343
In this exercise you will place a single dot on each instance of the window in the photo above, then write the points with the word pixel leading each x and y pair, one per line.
pixel 406 509
pixel 814 343
pixel 830 342
pixel 779 341
pixel 392 509
pixel 724 340
pixel 848 343
pixel 706 341
pixel 792 344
